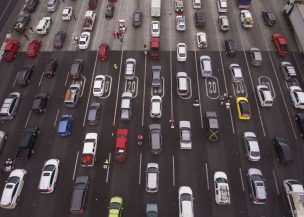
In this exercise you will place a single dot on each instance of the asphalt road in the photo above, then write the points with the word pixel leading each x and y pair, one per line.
pixel 195 167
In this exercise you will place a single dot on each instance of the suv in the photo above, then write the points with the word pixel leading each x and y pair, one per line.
pixel 10 106
pixel 24 75
pixel 31 5
pixel 125 107
pixel 180 23
pixel 283 151
pixel 185 202
pixel 27 142
pixel 300 121
pixel 155 138
pixel 264 95
pixel 40 103
pixel 93 113
pixel 50 68
pixel 256 184
pixel 130 69
pixel 230 47
pixel 79 194
pixel 183 84
pixel 76 68
pixel 137 18
pixel 269 18
pixel 200 19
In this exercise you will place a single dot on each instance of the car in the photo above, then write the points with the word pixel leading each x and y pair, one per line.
pixel 59 39
pixel 178 6
pixel 31 5
pixel 50 68
pixel 27 143
pixel 137 18
pixel 10 106
pixel 121 145
pixel 185 137
pixel 251 146
pixel 103 51
pixel 24 75
pixel 230 47
pixel 256 184
pixel 10 50
pixel 156 107
pixel 76 68
pixel 109 13
pixel 222 6
pixel 3 138
pixel 280 44
pixel 201 39
pixel 288 70
pixel 115 207
pixel 223 23
pixel 155 29
pixel 300 121
pixel 212 125
pixel 151 210
pixel 180 23
pixel 79 196
pixel 246 19
pixel 67 13
pixel 155 135
pixel 49 176
pixel 183 84
pixel 236 73
pixel 93 113
pixel 99 85
pixel 130 66
pixel 40 102
pixel 243 108
pixel 126 106
pixel 268 18
pixel 200 19
pixel 297 96
pixel 43 26
pixel 206 66
pixel 156 76
pixel 52 5
pixel 264 96
pixel 255 56
pixel 12 189
pixel 185 201
pixel 152 177
pixel 221 188
pixel 181 52
pixel 84 40
pixel 65 124
pixel 33 48
pixel 92 4
pixel 283 151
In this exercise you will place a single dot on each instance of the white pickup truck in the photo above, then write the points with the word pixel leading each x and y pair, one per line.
pixel 221 187
pixel 89 20
pixel 295 194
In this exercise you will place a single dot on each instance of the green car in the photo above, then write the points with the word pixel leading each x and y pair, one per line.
pixel 115 207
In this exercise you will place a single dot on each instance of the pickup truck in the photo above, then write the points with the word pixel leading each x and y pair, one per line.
pixel 89 20
pixel 89 150
pixel 27 142
pixel 73 94
pixel 221 187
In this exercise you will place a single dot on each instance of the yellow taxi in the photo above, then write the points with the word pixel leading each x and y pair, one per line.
pixel 243 108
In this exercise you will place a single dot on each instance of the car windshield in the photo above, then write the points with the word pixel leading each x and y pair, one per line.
pixel 221 180
pixel 13 179
pixel 114 205
pixel 255 154
pixel 245 110
pixel 89 140
pixel 186 197
pixel 49 168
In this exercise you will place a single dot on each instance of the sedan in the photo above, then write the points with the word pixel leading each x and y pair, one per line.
pixel 12 189
pixel 297 97
pixel 93 113
pixel 152 177
pixel 251 146
pixel 255 56
pixel 115 206
pixel 206 66
pixel 257 189
pixel 185 135
pixel 84 40
pixel 99 85
pixel 24 76
pixel 264 95
pixel 156 107
pixel 236 73
pixel 65 123
pixel 33 48
pixel 181 52
pixel 109 11
pixel 59 39
pixel 155 29
pixel 67 13
pixel 243 108
pixel 50 68
pixel 49 175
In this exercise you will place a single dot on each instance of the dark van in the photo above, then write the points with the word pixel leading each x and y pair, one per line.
pixel 283 151
pixel 79 194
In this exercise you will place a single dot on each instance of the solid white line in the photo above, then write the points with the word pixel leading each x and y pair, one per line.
pixel 173 171
pixel 79 17
pixel 28 117
pixel 171 73
pixel 199 90
pixel 5 9
pixel 240 170
pixel 56 118
pixel 276 182
pixel 144 94
pixel 75 165
pixel 207 176
pixel 140 162
pixel 98 26
pixel 108 168
pixel 40 81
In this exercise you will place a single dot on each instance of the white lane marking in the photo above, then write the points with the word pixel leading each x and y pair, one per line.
pixel 139 172
pixel 144 94
pixel 40 81
pixel 5 9
pixel 173 171
pixel 80 16
pixel 56 118
pixel 276 182
pixel 66 79
pixel 171 73
pixel 15 81
pixel 108 168
pixel 199 91
pixel 75 165
pixel 108 86
pixel 28 117
pixel 240 170
pixel 207 176
pixel 213 87
pixel 99 26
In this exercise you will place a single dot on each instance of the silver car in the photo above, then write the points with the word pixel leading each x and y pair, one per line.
pixel 257 189
pixel 152 177
pixel 206 66
pixel 185 135
pixel 155 138
pixel 93 113
pixel 255 56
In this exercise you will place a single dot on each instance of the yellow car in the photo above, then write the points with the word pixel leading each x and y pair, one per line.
pixel 243 108
pixel 115 207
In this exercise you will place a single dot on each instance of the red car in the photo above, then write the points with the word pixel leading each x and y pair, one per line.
pixel 154 44
pixel 10 50
pixel 92 4
pixel 280 44
pixel 121 146
pixel 103 51
pixel 33 48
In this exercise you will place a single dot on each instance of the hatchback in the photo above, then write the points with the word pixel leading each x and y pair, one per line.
pixel 206 66
pixel 156 107
pixel 76 68
pixel 236 73
pixel 230 47
pixel 264 95
pixel 155 28
pixel 152 177
pixel 251 146
pixel 59 39
pixel 50 68
pixel 181 51
pixel 269 18
pixel 99 85
pixel 223 23
pixel 201 39
pixel 183 84
pixel 283 151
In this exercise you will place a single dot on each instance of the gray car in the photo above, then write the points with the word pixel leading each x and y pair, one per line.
pixel 137 18
pixel 156 76
pixel 93 113
pixel 255 56
pixel 257 189
pixel 206 66
pixel 155 138
pixel 79 194
pixel 151 210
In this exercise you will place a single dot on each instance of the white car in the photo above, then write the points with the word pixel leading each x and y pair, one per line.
pixel 288 70
pixel 99 85
pixel 180 23
pixel 44 26
pixel 251 146
pixel 297 96
pixel 49 176
pixel 222 6
pixel 130 69
pixel 155 29
pixel 223 23
pixel 185 202
pixel 89 150
pixel 84 40
pixel 185 135
pixel 12 189
pixel 236 73
pixel 246 19
pixel 206 66
pixel 181 50
pixel 156 107
pixel 201 39
pixel 152 177
pixel 221 188
pixel 67 13
pixel 264 95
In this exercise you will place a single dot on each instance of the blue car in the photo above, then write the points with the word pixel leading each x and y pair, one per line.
pixel 64 128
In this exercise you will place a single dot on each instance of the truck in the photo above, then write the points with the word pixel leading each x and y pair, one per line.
pixel 246 19
pixel 89 19
pixel 88 157
pixel 295 195
pixel 121 145
pixel 294 13
pixel 73 94
pixel 243 3
pixel 221 187
pixel 27 142
pixel 155 8
pixel 154 45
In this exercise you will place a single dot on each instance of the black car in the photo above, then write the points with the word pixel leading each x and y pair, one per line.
pixel 79 196
pixel 59 39
pixel 31 5
pixel 109 11
pixel 50 68
pixel 40 103
pixel 27 142
pixel 24 75
pixel 269 18
pixel 93 113
pixel 283 151
pixel 137 18
pixel 76 68
pixel 200 20
pixel 230 47
pixel 300 121
pixel 22 21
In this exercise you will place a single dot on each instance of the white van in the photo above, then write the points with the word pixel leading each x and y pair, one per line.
pixel 196 3
pixel 52 5
pixel 43 26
